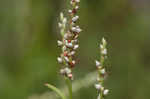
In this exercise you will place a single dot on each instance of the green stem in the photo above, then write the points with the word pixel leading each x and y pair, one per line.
pixel 69 84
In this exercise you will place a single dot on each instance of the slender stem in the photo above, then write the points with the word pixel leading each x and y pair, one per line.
pixel 69 85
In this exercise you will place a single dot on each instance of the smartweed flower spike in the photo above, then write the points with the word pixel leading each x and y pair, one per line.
pixel 69 43
pixel 102 92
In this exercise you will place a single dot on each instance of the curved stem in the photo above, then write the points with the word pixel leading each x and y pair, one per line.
pixel 69 84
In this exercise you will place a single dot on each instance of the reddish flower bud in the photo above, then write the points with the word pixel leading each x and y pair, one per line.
pixel 74 11
pixel 65 53
pixel 70 76
pixel 69 41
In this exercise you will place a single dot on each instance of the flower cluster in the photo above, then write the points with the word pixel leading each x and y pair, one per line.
pixel 69 42
pixel 101 71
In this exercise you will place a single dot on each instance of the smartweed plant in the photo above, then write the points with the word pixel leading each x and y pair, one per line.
pixel 69 44
pixel 70 31
pixel 101 71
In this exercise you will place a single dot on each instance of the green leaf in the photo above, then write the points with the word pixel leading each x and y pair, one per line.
pixel 56 90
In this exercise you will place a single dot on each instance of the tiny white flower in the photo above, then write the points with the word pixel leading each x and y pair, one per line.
pixel 75 18
pixel 59 59
pixel 78 1
pixel 64 20
pixel 72 52
pixel 98 86
pixel 101 46
pixel 98 79
pixel 62 71
pixel 64 48
pixel 66 58
pixel 61 16
pixel 59 25
pixel 65 36
pixel 59 43
pixel 103 40
pixel 103 71
pixel 104 51
pixel 67 70
pixel 70 76
pixel 71 2
pixel 106 91
pixel 75 41
pixel 70 11
pixel 78 30
pixel 99 97
pixel 69 44
pixel 76 47
pixel 77 7
pixel 97 63
pixel 73 62
pixel 74 29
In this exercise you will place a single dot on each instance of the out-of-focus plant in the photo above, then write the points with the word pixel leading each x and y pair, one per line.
pixel 101 71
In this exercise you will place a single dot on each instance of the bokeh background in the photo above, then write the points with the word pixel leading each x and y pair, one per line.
pixel 28 48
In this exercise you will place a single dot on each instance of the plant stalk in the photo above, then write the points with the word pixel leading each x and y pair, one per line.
pixel 69 85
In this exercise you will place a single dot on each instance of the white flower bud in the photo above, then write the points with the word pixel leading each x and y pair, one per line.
pixel 78 30
pixel 67 70
pixel 73 62
pixel 64 20
pixel 74 29
pixel 59 25
pixel 65 36
pixel 59 43
pixel 70 11
pixel 70 76
pixel 106 91
pixel 98 79
pixel 75 18
pixel 103 71
pixel 76 47
pixel 66 59
pixel 101 46
pixel 62 71
pixel 61 16
pixel 64 48
pixel 98 86
pixel 104 51
pixel 77 7
pixel 103 41
pixel 75 41
pixel 59 59
pixel 69 44
pixel 72 52
pixel 97 63
pixel 77 1
pixel 99 97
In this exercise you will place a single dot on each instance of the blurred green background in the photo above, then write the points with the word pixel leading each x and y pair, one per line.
pixel 28 48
